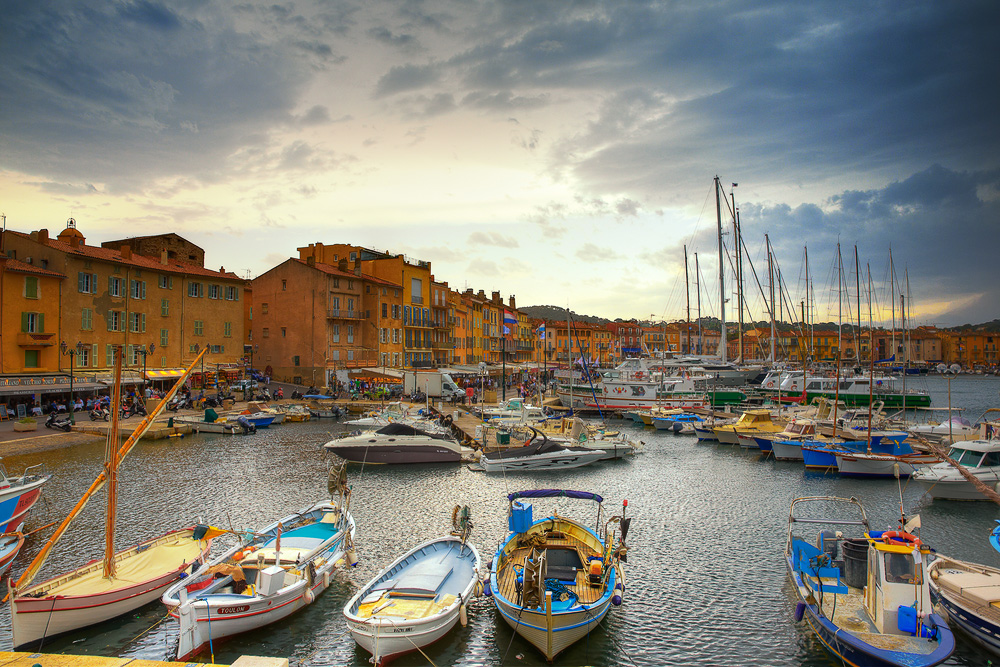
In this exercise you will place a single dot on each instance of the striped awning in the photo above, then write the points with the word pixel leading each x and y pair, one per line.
pixel 164 373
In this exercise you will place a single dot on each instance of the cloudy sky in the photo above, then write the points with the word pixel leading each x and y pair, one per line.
pixel 557 150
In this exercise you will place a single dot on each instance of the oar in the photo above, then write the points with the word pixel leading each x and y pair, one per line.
pixel 48 525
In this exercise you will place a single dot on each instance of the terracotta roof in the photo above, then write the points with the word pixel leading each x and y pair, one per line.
pixel 329 269
pixel 138 261
pixel 18 266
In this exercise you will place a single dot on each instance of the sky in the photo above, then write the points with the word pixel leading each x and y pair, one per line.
pixel 560 151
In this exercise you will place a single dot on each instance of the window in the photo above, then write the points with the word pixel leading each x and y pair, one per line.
pixel 368 289
pixel 116 286
pixel 216 349
pixel 382 335
pixel 350 305
pixel 416 290
pixel 196 290
pixel 31 287
pixel 166 282
pixel 138 289
pixel 335 332
pixel 31 358
pixel 263 309
pixel 87 283
pixel 232 293
pixel 354 257
pixel 87 319
pixel 164 308
pixel 227 329
pixel 335 302
pixel 350 284
pixel 295 360
pixel 336 282
pixel 116 320
pixel 284 285
pixel 214 292
pixel 164 337
pixel 133 354
pixel 282 332
pixel 265 332
pixel 199 327
pixel 385 310
pixel 33 322
pixel 83 357
pixel 137 322
pixel 350 333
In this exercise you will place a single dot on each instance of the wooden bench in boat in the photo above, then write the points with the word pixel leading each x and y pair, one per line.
pixel 574 579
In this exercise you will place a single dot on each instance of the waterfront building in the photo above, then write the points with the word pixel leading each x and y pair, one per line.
pixel 29 307
pixel 442 343
pixel 162 310
pixel 315 318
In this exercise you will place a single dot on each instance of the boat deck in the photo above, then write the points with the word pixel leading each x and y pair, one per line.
pixel 847 612
pixel 586 593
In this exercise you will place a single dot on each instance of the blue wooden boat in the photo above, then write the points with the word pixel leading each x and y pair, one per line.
pixel 10 544
pixel 554 579
pixel 18 494
pixel 866 597
pixel 417 599
pixel 969 594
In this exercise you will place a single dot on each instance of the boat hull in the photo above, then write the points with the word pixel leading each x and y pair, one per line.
pixel 967 614
pixel 786 451
pixel 952 489
pixel 547 461
pixel 17 500
pixel 567 627
pixel 35 620
pixel 388 454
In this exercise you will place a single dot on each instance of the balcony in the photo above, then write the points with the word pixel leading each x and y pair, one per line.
pixel 419 300
pixel 338 314
pixel 442 345
pixel 36 339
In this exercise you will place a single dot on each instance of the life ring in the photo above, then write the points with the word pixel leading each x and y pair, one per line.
pixel 638 375
pixel 901 538
pixel 770 385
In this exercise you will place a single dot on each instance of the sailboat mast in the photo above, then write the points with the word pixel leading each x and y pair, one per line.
pixel 687 298
pixel 723 341
pixel 739 268
pixel 857 281
pixel 840 303
pixel 892 292
pixel 111 468
pixel 697 283
pixel 770 280
pixel 812 330
pixel 902 321
pixel 871 359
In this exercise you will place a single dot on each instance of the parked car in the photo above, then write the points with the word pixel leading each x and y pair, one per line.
pixel 244 385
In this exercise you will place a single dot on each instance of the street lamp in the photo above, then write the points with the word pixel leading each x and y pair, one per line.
pixel 144 351
pixel 72 352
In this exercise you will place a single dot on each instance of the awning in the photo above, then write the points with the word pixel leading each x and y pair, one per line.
pixel 79 388
pixel 128 377
pixel 373 376
pixel 164 373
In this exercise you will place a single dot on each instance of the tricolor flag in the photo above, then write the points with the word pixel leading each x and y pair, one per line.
pixel 509 317
pixel 541 331
pixel 506 329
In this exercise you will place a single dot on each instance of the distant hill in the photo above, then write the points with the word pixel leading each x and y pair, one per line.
pixel 557 313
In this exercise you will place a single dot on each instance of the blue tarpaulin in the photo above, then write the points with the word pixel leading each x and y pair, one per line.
pixel 317 396
pixel 555 493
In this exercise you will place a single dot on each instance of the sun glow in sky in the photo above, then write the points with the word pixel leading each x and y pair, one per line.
pixel 559 151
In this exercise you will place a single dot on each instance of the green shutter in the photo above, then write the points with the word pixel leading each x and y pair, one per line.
pixel 24 322
pixel 41 322
pixel 79 281
pixel 143 291
pixel 143 318
pixel 93 283
pixel 93 356
pixel 31 287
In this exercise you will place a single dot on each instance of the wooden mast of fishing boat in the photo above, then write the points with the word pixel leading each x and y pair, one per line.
pixel 687 298
pixel 857 281
pixel 840 348
pixel 29 574
pixel 723 340
pixel 871 359
pixel 739 267
pixel 111 467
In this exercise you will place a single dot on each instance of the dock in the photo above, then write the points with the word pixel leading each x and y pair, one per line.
pixel 11 659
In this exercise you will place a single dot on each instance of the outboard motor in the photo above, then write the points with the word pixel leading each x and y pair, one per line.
pixel 248 426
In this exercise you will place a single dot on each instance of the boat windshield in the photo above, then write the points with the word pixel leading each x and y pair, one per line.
pixel 900 569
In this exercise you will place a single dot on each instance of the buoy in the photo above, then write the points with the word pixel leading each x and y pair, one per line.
pixel 326 579
pixel 800 610
pixel 463 616
pixel 309 595
pixel 477 590
pixel 619 594
pixel 352 557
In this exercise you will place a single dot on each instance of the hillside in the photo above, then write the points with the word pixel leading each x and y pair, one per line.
pixel 557 313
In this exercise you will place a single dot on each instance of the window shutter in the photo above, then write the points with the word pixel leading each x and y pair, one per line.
pixel 143 323
pixel 24 322
pixel 79 281
pixel 93 283
pixel 110 326
pixel 93 358
pixel 143 293
pixel 41 322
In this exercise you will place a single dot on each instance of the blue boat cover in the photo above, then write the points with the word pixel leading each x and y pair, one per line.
pixel 317 396
pixel 555 493
pixel 995 537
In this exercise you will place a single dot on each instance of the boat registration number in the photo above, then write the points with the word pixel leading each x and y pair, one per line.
pixel 233 610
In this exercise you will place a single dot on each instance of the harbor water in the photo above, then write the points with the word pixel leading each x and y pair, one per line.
pixel 706 582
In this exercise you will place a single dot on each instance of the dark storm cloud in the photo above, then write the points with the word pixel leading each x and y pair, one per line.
pixel 167 92
pixel 403 78
pixel 941 224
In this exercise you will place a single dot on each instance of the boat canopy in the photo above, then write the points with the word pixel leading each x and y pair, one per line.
pixel 555 493
pixel 397 428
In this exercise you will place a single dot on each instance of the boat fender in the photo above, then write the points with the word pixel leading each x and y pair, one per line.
pixel 308 596
pixel 463 616
pixel 477 590
pixel 619 594
pixel 487 591
pixel 326 579
pixel 489 566
pixel 800 610
pixel 352 557
pixel 935 575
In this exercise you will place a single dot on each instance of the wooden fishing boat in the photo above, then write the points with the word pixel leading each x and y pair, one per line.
pixel 969 594
pixel 122 581
pixel 554 579
pixel 866 597
pixel 18 495
pixel 419 598
pixel 277 571
pixel 10 544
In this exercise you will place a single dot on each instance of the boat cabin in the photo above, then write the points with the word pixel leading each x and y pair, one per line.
pixel 976 453
pixel 896 594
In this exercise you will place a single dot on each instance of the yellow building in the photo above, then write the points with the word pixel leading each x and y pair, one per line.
pixel 30 308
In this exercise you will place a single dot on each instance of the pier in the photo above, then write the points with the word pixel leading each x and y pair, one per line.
pixel 25 659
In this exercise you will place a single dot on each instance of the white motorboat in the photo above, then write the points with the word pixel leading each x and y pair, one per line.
pixel 417 599
pixel 393 412
pixel 543 455
pixel 281 569
pixel 981 458
pixel 397 443
pixel 513 408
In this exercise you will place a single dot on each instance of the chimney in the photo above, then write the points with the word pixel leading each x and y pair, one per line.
pixel 342 265
pixel 357 266
pixel 496 297
pixel 482 294
pixel 126 252
pixel 164 257
pixel 512 306
pixel 43 236
pixel 222 269
pixel 311 260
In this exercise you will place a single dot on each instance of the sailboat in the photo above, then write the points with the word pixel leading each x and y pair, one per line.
pixel 122 581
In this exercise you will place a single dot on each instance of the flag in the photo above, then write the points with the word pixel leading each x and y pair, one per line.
pixel 912 524
pixel 509 317
pixel 506 329
pixel 541 331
